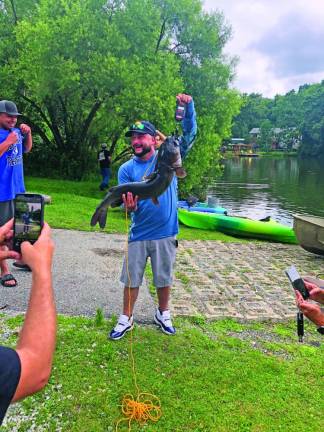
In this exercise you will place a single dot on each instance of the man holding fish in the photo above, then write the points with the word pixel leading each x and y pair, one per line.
pixel 154 221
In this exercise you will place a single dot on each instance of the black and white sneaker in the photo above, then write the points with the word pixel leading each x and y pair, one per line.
pixel 163 320
pixel 123 325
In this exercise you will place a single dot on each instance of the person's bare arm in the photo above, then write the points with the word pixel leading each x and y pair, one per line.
pixel 11 139
pixel 311 311
pixel 28 143
pixel 315 292
pixel 36 342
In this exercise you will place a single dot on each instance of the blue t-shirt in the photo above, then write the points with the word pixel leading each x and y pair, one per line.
pixel 10 369
pixel 151 221
pixel 11 167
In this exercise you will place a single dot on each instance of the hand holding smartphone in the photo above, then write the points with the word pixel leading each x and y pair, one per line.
pixel 297 281
pixel 28 219
pixel 298 285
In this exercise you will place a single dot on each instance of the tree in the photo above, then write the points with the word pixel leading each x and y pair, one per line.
pixel 312 127
pixel 266 135
pixel 84 70
pixel 255 109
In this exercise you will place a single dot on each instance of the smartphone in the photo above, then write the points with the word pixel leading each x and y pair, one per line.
pixel 180 112
pixel 297 282
pixel 28 218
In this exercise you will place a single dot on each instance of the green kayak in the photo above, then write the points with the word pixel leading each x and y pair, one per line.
pixel 239 226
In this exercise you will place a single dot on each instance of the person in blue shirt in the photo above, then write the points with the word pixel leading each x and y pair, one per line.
pixel 13 143
pixel 154 227
pixel 26 219
pixel 26 369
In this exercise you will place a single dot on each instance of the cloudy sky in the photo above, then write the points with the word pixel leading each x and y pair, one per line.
pixel 280 43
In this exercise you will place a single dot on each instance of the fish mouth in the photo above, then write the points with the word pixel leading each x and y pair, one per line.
pixel 180 172
pixel 177 163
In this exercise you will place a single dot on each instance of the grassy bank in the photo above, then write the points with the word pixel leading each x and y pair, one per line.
pixel 73 204
pixel 219 376
pixel 211 377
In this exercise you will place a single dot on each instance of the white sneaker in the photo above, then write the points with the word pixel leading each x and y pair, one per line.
pixel 123 325
pixel 163 320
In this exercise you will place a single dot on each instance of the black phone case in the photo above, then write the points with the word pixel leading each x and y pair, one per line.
pixel 39 200
pixel 299 285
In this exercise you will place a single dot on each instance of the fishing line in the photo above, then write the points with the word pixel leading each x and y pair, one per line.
pixel 146 406
pixel 146 171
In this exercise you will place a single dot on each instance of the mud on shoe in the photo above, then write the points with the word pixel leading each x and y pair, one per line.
pixel 163 320
pixel 123 325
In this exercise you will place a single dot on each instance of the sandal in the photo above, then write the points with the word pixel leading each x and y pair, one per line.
pixel 21 266
pixel 7 278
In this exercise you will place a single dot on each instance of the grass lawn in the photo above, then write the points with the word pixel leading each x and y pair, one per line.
pixel 73 204
pixel 220 376
pixel 211 377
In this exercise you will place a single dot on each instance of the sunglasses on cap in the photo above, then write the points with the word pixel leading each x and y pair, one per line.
pixel 138 125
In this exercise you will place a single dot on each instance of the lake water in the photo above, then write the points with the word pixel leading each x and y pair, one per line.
pixel 276 187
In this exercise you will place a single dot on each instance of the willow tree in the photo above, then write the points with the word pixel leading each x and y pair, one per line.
pixel 82 70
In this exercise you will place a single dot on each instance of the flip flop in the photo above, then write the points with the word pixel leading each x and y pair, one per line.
pixel 21 266
pixel 6 278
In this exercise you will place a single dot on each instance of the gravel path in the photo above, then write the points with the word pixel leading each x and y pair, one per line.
pixel 245 281
pixel 213 279
pixel 86 277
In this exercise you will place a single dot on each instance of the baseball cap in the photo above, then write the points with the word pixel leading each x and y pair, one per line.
pixel 141 127
pixel 9 108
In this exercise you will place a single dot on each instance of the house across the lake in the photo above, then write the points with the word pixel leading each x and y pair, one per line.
pixel 255 133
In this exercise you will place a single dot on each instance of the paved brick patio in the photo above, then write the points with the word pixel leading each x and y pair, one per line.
pixel 238 280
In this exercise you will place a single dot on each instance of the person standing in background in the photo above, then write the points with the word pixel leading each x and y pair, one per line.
pixel 104 159
pixel 14 142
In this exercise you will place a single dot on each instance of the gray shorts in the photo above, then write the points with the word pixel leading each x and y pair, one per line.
pixel 162 253
pixel 6 211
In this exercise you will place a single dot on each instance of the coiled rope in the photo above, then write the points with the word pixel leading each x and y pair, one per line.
pixel 146 406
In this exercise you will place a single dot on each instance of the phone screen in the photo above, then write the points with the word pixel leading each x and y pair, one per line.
pixel 297 282
pixel 28 218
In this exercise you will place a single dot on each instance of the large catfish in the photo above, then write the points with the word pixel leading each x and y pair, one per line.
pixel 167 164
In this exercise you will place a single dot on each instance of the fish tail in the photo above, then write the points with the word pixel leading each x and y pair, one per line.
pixel 103 218
pixel 100 215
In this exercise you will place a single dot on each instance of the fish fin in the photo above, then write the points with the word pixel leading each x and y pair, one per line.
pixel 94 218
pixel 103 218
pixel 151 176
pixel 155 201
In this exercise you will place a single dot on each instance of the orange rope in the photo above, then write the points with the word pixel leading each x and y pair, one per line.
pixel 145 406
